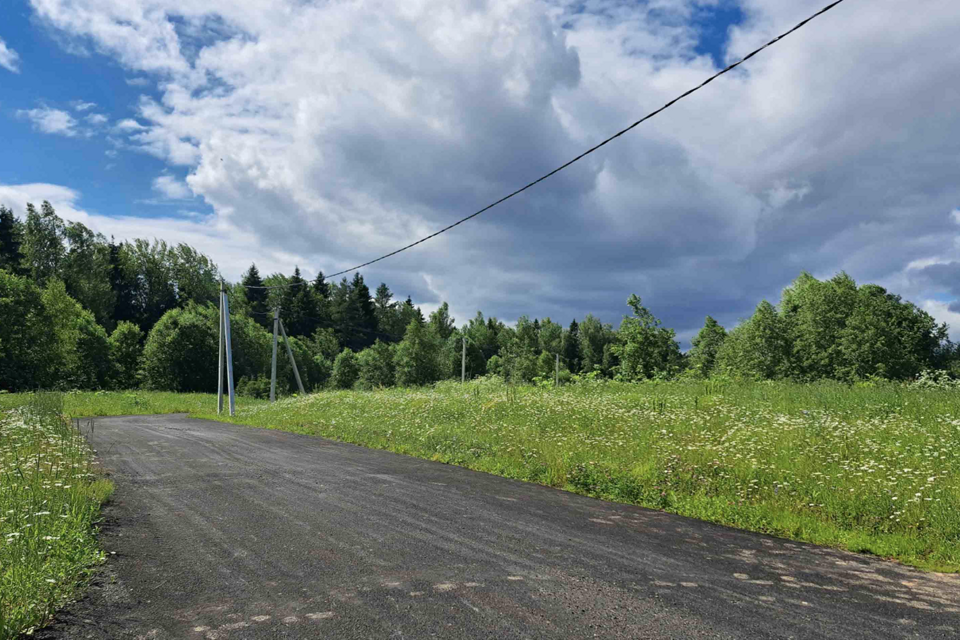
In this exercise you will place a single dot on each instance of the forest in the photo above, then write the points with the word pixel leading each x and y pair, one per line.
pixel 79 311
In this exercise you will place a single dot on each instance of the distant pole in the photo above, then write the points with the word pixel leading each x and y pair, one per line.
pixel 220 365
pixel 296 374
pixel 273 364
pixel 556 376
pixel 226 335
pixel 463 362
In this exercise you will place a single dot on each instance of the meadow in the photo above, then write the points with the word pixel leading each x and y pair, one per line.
pixel 50 495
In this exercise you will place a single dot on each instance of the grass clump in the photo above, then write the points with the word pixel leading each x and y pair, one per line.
pixel 50 496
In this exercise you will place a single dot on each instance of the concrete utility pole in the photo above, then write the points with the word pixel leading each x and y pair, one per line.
pixel 229 352
pixel 273 363
pixel 463 362
pixel 296 374
pixel 220 364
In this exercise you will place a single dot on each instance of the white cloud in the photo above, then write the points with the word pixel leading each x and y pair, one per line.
pixel 129 125
pixel 50 120
pixel 407 115
pixel 171 188
pixel 97 119
pixel 942 313
pixel 9 59
pixel 80 105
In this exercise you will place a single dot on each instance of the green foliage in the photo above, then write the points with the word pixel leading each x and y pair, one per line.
pixel 11 239
pixel 705 346
pixel 256 387
pixel 376 365
pixel 441 323
pixel 551 337
pixel 644 349
pixel 758 349
pixel 346 370
pixel 86 272
pixel 43 250
pixel 418 356
pixel 570 348
pixel 126 351
pixel 50 500
pixel 82 349
pixel 29 350
pixel 256 296
pixel 495 366
pixel 181 352
pixel 594 338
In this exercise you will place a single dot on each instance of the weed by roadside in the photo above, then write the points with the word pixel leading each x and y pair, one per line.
pixel 50 496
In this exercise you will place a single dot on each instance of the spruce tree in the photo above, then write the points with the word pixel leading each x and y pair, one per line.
pixel 256 296
pixel 571 347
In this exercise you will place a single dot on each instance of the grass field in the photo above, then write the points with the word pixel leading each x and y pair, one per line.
pixel 49 500
pixel 866 468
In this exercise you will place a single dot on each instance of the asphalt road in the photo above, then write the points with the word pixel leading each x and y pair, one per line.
pixel 230 532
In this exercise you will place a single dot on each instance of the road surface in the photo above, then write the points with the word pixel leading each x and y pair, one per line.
pixel 217 531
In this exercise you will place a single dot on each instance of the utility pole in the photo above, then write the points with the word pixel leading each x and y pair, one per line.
pixel 296 374
pixel 556 375
pixel 220 364
pixel 463 362
pixel 229 351
pixel 273 364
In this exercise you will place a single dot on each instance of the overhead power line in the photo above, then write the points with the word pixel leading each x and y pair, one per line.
pixel 594 148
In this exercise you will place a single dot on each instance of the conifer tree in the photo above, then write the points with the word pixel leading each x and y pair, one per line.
pixel 11 232
pixel 256 296
pixel 571 347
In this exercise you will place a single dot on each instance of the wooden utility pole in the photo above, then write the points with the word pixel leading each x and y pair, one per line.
pixel 273 363
pixel 463 362
pixel 556 375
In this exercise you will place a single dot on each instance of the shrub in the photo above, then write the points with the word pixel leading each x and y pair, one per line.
pixel 125 354
pixel 346 371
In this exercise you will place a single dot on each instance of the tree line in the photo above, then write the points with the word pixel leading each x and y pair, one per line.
pixel 80 311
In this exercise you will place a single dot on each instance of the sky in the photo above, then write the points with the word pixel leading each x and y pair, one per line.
pixel 324 134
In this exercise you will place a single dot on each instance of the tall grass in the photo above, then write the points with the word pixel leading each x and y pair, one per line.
pixel 50 496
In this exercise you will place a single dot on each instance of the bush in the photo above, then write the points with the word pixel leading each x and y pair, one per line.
pixel 258 387
pixel 346 370
pixel 181 352
pixel 125 354
pixel 376 366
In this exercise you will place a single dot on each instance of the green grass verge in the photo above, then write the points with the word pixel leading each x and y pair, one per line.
pixel 50 498
pixel 872 468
